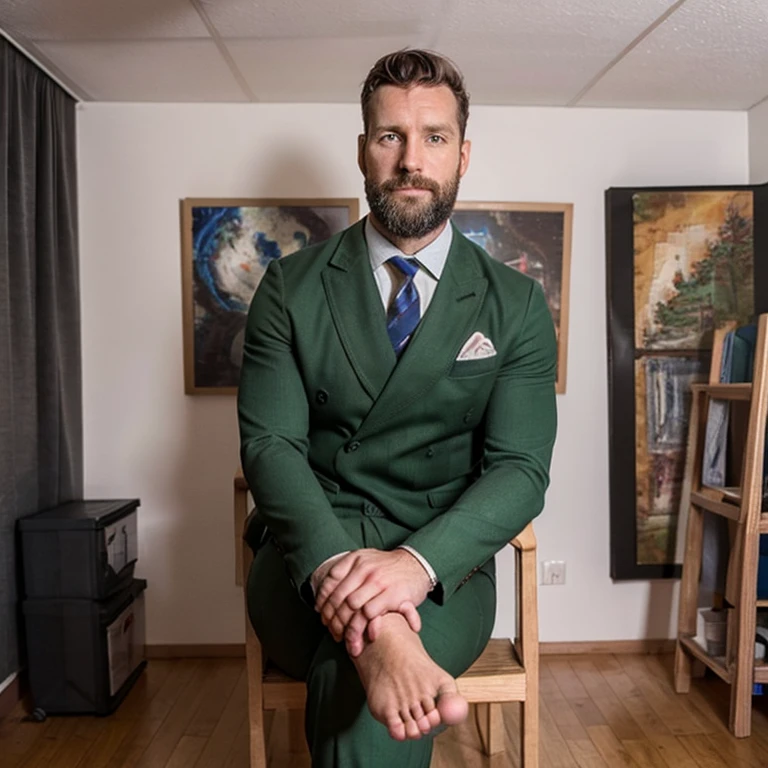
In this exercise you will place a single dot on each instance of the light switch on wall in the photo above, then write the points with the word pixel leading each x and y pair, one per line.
pixel 553 572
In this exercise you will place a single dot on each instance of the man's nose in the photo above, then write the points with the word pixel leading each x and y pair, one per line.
pixel 411 158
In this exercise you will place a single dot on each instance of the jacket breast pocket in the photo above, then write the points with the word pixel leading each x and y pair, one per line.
pixel 466 368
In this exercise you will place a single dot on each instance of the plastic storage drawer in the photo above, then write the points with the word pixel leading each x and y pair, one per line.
pixel 83 549
pixel 84 655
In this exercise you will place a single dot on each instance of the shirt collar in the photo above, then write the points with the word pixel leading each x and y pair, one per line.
pixel 432 257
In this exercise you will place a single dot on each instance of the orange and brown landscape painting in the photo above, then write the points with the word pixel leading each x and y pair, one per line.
pixel 693 266
pixel 693 272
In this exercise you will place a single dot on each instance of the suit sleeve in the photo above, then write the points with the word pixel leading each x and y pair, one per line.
pixel 274 424
pixel 520 426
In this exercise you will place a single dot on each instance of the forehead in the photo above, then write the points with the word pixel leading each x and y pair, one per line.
pixel 391 105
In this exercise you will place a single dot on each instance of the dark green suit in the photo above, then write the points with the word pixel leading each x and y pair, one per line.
pixel 343 447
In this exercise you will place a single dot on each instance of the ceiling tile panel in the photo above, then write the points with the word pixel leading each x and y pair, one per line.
pixel 101 19
pixel 168 71
pixel 521 52
pixel 708 54
pixel 325 19
pixel 310 70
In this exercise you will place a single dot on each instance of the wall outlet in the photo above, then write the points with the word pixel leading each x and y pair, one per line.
pixel 553 572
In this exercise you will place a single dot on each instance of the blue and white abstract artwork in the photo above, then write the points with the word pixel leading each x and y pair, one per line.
pixel 231 248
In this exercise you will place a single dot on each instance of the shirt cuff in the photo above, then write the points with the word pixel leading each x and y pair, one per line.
pixel 424 564
pixel 315 578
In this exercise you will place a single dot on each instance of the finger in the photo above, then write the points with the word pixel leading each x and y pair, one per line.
pixel 408 609
pixel 356 626
pixel 367 591
pixel 344 613
pixel 374 628
pixel 354 645
pixel 337 573
pixel 387 601
pixel 344 565
pixel 336 631
pixel 343 589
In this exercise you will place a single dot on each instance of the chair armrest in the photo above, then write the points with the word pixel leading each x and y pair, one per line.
pixel 525 541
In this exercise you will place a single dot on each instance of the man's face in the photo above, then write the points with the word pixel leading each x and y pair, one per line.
pixel 412 158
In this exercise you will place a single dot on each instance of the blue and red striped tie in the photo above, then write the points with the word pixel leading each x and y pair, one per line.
pixel 404 313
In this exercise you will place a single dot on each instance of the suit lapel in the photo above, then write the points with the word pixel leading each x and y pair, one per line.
pixel 434 347
pixel 358 312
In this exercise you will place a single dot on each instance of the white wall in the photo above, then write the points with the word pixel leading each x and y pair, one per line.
pixel 144 437
pixel 758 143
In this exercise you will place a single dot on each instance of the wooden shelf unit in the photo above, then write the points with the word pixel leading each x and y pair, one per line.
pixel 742 507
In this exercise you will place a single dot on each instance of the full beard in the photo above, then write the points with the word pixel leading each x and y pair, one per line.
pixel 412 218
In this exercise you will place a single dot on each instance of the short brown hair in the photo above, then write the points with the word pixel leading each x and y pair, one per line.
pixel 410 67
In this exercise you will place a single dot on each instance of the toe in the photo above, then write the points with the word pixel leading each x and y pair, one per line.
pixel 433 718
pixel 422 723
pixel 452 707
pixel 396 728
pixel 417 711
pixel 411 728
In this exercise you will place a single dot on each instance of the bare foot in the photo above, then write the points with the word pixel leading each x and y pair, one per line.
pixel 406 690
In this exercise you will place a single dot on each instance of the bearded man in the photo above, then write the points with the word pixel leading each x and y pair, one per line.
pixel 397 419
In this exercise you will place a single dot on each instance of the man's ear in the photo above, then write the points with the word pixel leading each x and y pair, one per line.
pixel 466 146
pixel 361 153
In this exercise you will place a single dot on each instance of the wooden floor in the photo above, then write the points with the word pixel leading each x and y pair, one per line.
pixel 596 712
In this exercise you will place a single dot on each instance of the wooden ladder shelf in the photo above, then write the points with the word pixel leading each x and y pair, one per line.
pixel 742 507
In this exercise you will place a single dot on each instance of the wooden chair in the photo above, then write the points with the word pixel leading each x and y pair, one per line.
pixel 505 671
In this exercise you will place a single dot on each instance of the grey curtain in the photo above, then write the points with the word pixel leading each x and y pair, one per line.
pixel 41 443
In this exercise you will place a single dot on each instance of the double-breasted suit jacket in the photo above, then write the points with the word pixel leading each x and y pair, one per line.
pixel 456 451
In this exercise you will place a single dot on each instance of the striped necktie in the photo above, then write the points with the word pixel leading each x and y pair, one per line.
pixel 403 314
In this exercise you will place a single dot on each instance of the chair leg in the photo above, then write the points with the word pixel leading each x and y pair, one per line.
pixel 528 626
pixel 255 701
pixel 490 724
pixel 495 743
pixel 529 729
pixel 297 744
pixel 253 670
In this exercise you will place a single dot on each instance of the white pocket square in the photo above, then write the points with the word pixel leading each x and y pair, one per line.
pixel 477 347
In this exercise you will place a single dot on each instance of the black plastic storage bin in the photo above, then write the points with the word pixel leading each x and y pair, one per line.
pixel 84 655
pixel 84 549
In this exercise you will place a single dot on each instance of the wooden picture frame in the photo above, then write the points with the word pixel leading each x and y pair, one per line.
pixel 226 245
pixel 535 238
pixel 662 246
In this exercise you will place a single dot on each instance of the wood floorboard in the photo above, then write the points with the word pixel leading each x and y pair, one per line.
pixel 601 711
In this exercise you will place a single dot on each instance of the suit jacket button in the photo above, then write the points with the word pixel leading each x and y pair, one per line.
pixel 321 397
pixel 430 453
pixel 468 416
pixel 353 446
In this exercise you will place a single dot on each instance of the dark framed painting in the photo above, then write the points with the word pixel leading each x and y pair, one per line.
pixel 226 248
pixel 534 238
pixel 681 262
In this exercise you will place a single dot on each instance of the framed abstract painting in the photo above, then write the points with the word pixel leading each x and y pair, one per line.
pixel 226 248
pixel 681 262
pixel 534 238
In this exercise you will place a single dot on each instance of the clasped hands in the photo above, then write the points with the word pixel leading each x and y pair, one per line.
pixel 361 586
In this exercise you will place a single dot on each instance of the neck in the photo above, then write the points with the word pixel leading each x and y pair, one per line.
pixel 407 245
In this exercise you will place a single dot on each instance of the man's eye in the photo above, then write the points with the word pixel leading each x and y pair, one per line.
pixel 435 139
pixel 389 137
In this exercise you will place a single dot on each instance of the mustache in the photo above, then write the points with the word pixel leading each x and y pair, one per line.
pixel 413 181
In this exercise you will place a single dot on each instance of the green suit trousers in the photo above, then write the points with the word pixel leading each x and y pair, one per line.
pixel 340 730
